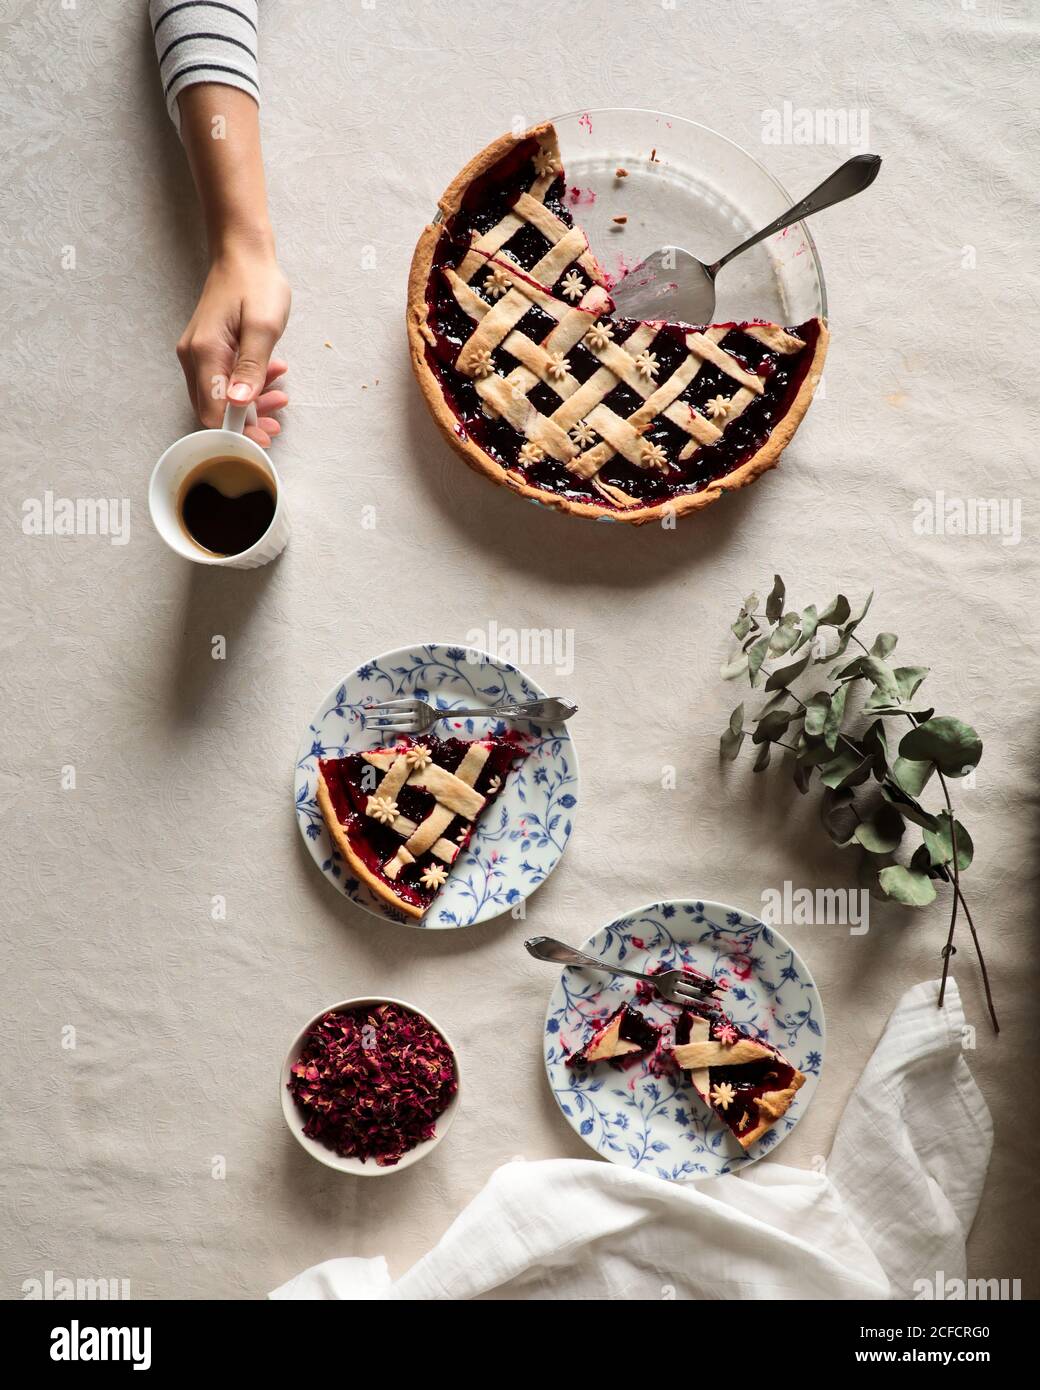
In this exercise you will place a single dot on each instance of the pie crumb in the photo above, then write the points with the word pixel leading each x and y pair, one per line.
pixel 620 173
pixel 621 219
pixel 327 343
pixel 653 156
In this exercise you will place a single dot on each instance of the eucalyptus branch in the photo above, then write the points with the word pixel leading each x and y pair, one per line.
pixel 845 756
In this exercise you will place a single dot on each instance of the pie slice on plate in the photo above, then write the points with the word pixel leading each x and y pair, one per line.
pixel 540 388
pixel 747 1082
pixel 625 1034
pixel 400 816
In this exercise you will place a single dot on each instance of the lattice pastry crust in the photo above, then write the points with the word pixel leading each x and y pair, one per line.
pixel 532 400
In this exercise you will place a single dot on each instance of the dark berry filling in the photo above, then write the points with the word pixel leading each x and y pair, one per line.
pixel 634 1028
pixel 352 780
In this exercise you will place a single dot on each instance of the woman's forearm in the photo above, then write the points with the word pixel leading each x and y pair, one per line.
pixel 220 127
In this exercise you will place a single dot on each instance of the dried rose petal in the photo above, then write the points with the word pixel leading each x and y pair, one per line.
pixel 372 1082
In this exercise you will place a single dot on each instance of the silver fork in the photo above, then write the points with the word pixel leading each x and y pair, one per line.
pixel 416 716
pixel 674 985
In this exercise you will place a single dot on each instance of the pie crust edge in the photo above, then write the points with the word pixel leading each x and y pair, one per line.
pixel 360 868
pixel 771 1107
pixel 420 335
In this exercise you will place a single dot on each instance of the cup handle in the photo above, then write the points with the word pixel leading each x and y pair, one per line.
pixel 236 417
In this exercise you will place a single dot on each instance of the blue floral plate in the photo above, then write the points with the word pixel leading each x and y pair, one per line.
pixel 656 1123
pixel 518 842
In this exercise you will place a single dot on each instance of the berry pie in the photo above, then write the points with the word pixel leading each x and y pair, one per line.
pixel 540 388
pixel 624 1035
pixel 401 816
pixel 748 1083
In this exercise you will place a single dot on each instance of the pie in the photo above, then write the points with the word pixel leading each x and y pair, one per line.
pixel 401 816
pixel 748 1083
pixel 625 1034
pixel 540 388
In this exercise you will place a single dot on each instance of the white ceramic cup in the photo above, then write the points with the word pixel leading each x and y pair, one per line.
pixel 178 461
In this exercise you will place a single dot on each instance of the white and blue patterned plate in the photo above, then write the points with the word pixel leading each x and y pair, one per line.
pixel 657 1123
pixel 518 841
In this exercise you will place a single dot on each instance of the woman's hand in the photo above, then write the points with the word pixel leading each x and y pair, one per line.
pixel 225 351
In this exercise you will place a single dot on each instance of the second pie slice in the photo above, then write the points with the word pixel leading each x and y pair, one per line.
pixel 402 815
pixel 748 1083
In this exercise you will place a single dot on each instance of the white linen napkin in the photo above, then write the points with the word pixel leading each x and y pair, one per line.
pixel 894 1205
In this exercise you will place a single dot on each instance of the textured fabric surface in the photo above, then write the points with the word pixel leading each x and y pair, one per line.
pixel 154 1149
pixel 895 1198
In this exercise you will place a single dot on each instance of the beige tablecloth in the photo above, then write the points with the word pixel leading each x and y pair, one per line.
pixel 142 1134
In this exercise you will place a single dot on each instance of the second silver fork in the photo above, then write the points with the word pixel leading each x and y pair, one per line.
pixel 406 716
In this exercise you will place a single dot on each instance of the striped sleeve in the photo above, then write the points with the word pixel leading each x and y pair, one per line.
pixel 205 41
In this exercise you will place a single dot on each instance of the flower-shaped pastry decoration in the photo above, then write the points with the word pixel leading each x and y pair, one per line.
pixel 598 336
pixel 545 162
pixel 532 453
pixel 482 364
pixel 572 285
pixel 647 364
pixel 497 282
pixel 653 456
pixel 722 1095
pixel 382 809
pixel 583 434
pixel 557 366
pixel 434 876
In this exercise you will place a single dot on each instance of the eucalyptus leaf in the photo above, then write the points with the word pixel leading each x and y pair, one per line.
pixel 847 769
pixel 762 759
pixel 751 603
pixel 816 753
pixel 731 740
pixel 883 831
pixel 733 669
pixel 756 655
pixel 838 815
pixel 908 678
pixel 782 678
pixel 741 627
pixel 816 712
pixel 834 716
pixel 881 676
pixel 836 612
pixel 939 843
pixel 807 623
pixel 785 635
pixel 772 725
pixel 778 700
pixel 775 601
pixel 876 744
pixel 907 885
pixel 912 777
pixel 952 745
pixel 851 627
pixel 884 645
pixel 908 807
pixel 921 861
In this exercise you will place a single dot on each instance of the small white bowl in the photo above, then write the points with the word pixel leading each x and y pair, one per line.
pixel 295 1118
